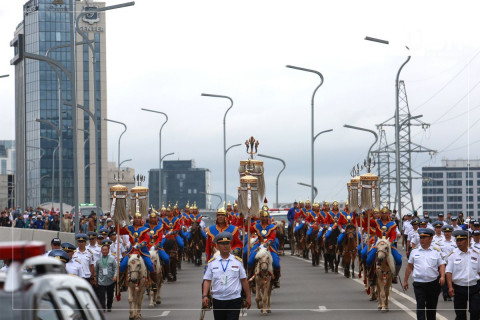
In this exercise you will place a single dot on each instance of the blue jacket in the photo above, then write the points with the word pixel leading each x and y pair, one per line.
pixel 291 216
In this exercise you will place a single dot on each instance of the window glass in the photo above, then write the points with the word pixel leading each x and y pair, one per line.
pixel 88 302
pixel 69 305
pixel 45 308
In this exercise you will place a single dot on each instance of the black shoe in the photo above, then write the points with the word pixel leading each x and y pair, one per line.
pixel 109 310
pixel 394 280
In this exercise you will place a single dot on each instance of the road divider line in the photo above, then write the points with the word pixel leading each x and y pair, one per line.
pixel 399 304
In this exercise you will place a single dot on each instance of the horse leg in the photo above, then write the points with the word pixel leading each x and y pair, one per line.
pixel 265 297
pixel 325 262
pixel 151 295
pixel 258 294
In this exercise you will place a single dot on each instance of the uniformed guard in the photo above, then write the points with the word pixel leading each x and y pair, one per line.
pixel 391 235
pixel 447 246
pixel 60 255
pixel 221 225
pixel 227 277
pixel 85 257
pixel 138 237
pixel 463 270
pixel 107 242
pixel 104 232
pixel 113 248
pixel 157 240
pixel 73 266
pixel 266 235
pixel 428 269
pixel 476 240
pixel 438 238
pixel 172 227
pixel 94 248
pixel 413 239
pixel 55 245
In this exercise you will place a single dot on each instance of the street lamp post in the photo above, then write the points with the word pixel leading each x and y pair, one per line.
pixel 312 138
pixel 224 141
pixel 397 128
pixel 60 166
pixel 310 186
pixel 4 75
pixel 53 162
pixel 119 138
pixel 367 130
pixel 215 195
pixel 278 176
pixel 160 193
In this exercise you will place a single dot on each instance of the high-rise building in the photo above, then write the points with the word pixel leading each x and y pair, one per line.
pixel 453 187
pixel 7 173
pixel 44 91
pixel 182 183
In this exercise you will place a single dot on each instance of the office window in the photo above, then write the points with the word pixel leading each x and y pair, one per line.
pixel 469 206
pixel 454 199
pixel 455 183
pixel 432 191
pixel 469 175
pixel 454 190
pixel 469 182
pixel 451 206
pixel 469 190
pixel 454 175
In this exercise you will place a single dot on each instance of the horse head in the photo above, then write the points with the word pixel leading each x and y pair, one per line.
pixel 384 254
pixel 136 268
pixel 264 260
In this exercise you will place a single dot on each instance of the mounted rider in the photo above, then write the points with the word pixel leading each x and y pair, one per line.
pixel 221 225
pixel 387 228
pixel 266 235
pixel 172 227
pixel 156 240
pixel 300 216
pixel 139 238
pixel 312 218
pixel 335 217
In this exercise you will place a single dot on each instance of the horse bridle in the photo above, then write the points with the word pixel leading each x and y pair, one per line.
pixel 139 267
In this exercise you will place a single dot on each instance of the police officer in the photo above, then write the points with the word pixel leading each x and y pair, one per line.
pixel 475 243
pixel 413 239
pixel 438 238
pixel 86 259
pixel 73 266
pixel 60 255
pixel 447 246
pixel 227 276
pixel 55 244
pixel 463 269
pixel 428 269
pixel 93 247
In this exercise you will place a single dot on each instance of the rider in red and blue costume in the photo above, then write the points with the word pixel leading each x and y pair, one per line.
pixel 155 234
pixel 172 227
pixel 300 215
pixel 139 239
pixel 385 227
pixel 266 235
pixel 312 218
pixel 222 225
pixel 323 218
pixel 335 216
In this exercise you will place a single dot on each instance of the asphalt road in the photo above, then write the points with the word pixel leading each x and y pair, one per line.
pixel 305 291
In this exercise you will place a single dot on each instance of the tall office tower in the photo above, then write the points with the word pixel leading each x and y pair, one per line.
pixel 44 91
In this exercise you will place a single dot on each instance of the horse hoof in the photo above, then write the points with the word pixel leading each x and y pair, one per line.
pixel 269 311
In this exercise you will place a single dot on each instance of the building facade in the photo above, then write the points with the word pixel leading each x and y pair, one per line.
pixel 7 174
pixel 44 90
pixel 453 187
pixel 182 183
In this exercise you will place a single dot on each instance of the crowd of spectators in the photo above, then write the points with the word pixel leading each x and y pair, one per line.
pixel 50 220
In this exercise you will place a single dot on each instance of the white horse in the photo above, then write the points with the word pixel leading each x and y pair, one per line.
pixel 385 269
pixel 157 266
pixel 137 284
pixel 263 279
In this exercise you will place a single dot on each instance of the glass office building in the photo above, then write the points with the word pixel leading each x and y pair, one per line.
pixel 453 187
pixel 43 90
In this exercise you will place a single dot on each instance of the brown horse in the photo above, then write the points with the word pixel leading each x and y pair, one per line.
pixel 301 241
pixel 349 253
pixel 314 245
pixel 263 279
pixel 196 244
pixel 281 233
pixel 171 249
pixel 330 251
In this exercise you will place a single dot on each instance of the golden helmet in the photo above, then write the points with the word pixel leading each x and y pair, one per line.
pixel 169 208
pixel 163 207
pixel 316 205
pixel 307 203
pixel 222 211
pixel 300 202
pixel 376 209
pixel 137 215
pixel 325 203
pixel 346 203
pixel 153 214
pixel 175 207
pixel 195 205
pixel 385 210
pixel 229 204
pixel 188 205
pixel 335 203
pixel 264 213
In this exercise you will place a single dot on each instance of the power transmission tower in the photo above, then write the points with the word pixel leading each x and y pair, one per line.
pixel 386 154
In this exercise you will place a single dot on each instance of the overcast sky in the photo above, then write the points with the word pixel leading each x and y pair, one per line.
pixel 163 54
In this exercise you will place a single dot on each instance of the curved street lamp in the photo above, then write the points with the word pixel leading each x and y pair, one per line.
pixel 312 138
pixel 224 141
pixel 215 195
pixel 278 176
pixel 397 129
pixel 367 130
pixel 310 186
pixel 160 193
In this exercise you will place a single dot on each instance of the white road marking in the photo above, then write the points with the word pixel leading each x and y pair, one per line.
pixel 164 314
pixel 399 304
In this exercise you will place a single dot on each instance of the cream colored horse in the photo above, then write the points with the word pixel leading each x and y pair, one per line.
pixel 157 266
pixel 385 269
pixel 263 279
pixel 137 284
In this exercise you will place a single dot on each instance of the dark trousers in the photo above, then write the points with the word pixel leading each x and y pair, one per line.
pixel 426 294
pixel 108 290
pixel 460 299
pixel 227 309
